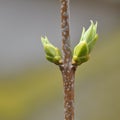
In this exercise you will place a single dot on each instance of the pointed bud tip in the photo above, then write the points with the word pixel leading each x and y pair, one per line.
pixel 91 22
pixel 43 40
pixel 42 37
pixel 46 38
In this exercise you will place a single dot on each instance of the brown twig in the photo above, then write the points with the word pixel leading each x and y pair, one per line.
pixel 68 83
pixel 65 31
pixel 67 69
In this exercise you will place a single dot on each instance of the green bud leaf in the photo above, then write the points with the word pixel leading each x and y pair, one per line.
pixel 81 49
pixel 53 54
pixel 92 43
pixel 57 59
pixel 90 36
pixel 90 33
pixel 80 53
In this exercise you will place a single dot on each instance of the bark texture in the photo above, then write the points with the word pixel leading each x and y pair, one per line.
pixel 67 69
pixel 65 31
pixel 68 75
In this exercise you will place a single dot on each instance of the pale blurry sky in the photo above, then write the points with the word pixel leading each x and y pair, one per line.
pixel 22 22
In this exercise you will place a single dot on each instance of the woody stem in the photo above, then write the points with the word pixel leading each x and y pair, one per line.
pixel 67 69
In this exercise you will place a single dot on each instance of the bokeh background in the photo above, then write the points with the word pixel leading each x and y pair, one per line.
pixel 31 87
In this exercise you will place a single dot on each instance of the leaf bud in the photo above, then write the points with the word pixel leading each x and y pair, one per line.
pixel 53 54
pixel 87 41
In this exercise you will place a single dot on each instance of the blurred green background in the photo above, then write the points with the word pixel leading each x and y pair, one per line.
pixel 31 87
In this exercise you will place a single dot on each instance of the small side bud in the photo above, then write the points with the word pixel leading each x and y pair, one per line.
pixel 53 54
pixel 86 44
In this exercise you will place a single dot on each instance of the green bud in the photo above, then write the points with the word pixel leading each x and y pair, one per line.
pixel 86 44
pixel 53 54
pixel 80 53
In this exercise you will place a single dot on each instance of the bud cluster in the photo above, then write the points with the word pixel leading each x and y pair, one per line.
pixel 81 51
